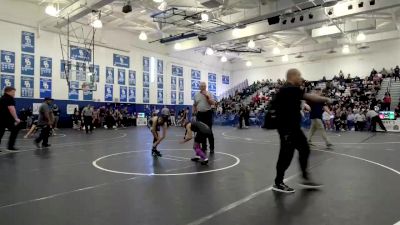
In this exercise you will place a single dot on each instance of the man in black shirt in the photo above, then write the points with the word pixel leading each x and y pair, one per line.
pixel 9 118
pixel 288 102
pixel 396 73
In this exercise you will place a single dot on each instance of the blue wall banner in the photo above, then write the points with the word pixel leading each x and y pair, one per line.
pixel 88 95
pixel 181 98
pixel 195 84
pixel 214 95
pixel 160 96
pixel 108 93
pixel 173 83
pixel 212 87
pixel 193 94
pixel 225 79
pixel 7 62
pixel 63 68
pixel 96 72
pixel 121 77
pixel 28 42
pixel 27 87
pixel 73 90
pixel 109 75
pixel 160 81
pixel 212 77
pixel 46 66
pixel 45 87
pixel 132 78
pixel 160 67
pixel 173 97
pixel 146 95
pixel 7 81
pixel 27 64
pixel 181 85
pixel 196 75
pixel 132 94
pixel 123 94
pixel 146 64
pixel 177 71
pixel 146 80
pixel 80 71
pixel 81 54
pixel 121 60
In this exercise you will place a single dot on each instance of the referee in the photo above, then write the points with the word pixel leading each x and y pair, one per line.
pixel 202 106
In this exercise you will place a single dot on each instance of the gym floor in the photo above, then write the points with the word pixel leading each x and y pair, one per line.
pixel 109 177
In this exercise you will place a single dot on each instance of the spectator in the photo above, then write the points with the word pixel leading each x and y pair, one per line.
pixel 387 101
pixel 56 113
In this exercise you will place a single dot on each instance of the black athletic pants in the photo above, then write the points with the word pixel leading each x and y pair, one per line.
pixel 374 121
pixel 88 120
pixel 44 135
pixel 207 118
pixel 291 140
pixel 13 136
pixel 241 120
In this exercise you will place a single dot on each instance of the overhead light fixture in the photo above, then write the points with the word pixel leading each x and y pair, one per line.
pixel 204 17
pixel 236 32
pixel 51 10
pixel 329 3
pixel 330 12
pixel 269 60
pixel 209 51
pixel 143 11
pixel 127 8
pixel 363 46
pixel 284 21
pixel 224 59
pixel 162 6
pixel 158 1
pixel 346 49
pixel 285 58
pixel 251 44
pixel 332 51
pixel 276 51
pixel 143 36
pixel 249 63
pixel 177 46
pixel 97 23
pixel 202 37
pixel 293 20
pixel 361 36
pixel 299 56
pixel 350 7
pixel 372 2
pixel 310 16
pixel 360 4
pixel 301 18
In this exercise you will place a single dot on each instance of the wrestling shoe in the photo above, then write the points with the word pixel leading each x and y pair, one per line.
pixel 282 188
pixel 157 153
pixel 195 159
pixel 204 162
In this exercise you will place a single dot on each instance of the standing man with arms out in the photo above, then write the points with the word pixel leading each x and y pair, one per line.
pixel 8 117
pixel 87 114
pixel 44 123
pixel 288 103
pixel 202 107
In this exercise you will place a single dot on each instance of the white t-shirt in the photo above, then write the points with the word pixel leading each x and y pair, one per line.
pixel 326 116
pixel 371 113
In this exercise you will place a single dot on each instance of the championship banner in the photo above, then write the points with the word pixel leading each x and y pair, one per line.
pixel 212 77
pixel 81 54
pixel 160 81
pixel 391 125
pixel 121 77
pixel 146 95
pixel 46 66
pixel 160 66
pixel 160 96
pixel 121 61
pixel 45 87
pixel 225 79
pixel 88 95
pixel 132 78
pixel 193 94
pixel 196 75
pixel 71 108
pixel 177 71
pixel 27 64
pixel 173 97
pixel 80 71
pixel 195 84
pixel 63 68
pixel 146 64
pixel 7 62
pixel 96 73
pixel 123 95
pixel 212 87
pixel 181 85
pixel 7 81
pixel 27 42
pixel 73 93
pixel 109 75
pixel 146 79
pixel 181 98
pixel 108 93
pixel 173 83
pixel 27 87
pixel 132 94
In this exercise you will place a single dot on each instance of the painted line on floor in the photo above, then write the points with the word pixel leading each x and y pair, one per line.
pixel 178 157
pixel 398 223
pixel 66 193
pixel 180 160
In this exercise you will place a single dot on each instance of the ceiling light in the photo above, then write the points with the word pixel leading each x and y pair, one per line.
pixel 372 2
pixel 51 11
pixel 224 59
pixel 249 63
pixel 293 20
pixel 158 1
pixel 143 11
pixel 209 51
pixel 235 32
pixel 329 3
pixel 301 18
pixel 97 23
pixel 360 4
pixel 346 49
pixel 251 44
pixel 178 46
pixel 361 36
pixel 276 51
pixel 143 36
pixel 310 16
pixel 162 6
pixel 285 58
pixel 205 17
pixel 299 56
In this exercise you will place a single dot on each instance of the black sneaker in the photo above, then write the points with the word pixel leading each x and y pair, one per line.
pixel 329 146
pixel 195 159
pixel 158 153
pixel 309 184
pixel 204 162
pixel 282 188
pixel 212 151
pixel 36 144
pixel 13 149
pixel 46 146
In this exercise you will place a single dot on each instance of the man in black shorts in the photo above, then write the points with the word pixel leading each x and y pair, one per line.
pixel 288 103
pixel 8 117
